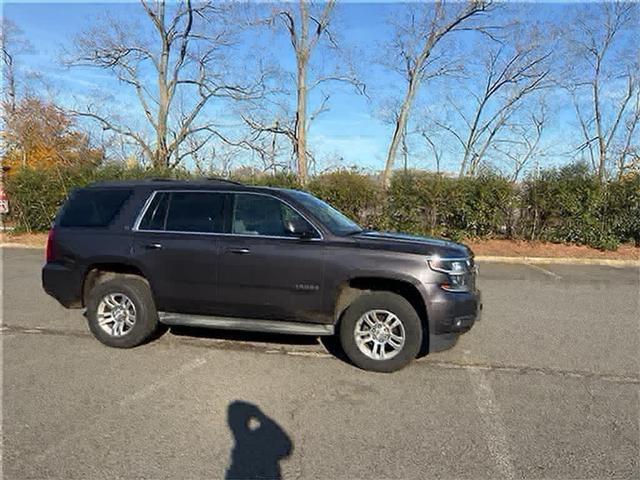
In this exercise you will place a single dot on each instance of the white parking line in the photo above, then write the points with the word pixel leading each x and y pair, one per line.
pixel 544 270
pixel 149 389
pixel 495 429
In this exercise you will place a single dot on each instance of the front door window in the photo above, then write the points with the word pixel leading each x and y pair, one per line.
pixel 264 215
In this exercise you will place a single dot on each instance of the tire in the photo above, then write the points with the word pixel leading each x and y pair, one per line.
pixel 136 329
pixel 396 354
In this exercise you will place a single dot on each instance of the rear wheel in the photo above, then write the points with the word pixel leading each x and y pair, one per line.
pixel 121 312
pixel 381 331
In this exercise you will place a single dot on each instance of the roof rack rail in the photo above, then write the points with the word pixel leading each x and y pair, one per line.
pixel 223 180
pixel 208 179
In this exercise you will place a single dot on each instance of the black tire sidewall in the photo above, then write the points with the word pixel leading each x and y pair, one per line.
pixel 382 301
pixel 146 316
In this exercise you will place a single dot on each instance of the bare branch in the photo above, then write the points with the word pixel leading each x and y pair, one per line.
pixel 594 41
pixel 185 53
pixel 306 26
pixel 109 125
pixel 415 60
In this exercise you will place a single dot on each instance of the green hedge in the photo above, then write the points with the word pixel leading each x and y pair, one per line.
pixel 426 203
pixel 356 195
pixel 570 205
pixel 559 205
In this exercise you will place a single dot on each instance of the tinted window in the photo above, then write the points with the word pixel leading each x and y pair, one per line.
pixel 195 212
pixel 156 213
pixel 93 208
pixel 263 215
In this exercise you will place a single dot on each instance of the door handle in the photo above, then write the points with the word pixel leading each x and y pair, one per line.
pixel 153 246
pixel 239 251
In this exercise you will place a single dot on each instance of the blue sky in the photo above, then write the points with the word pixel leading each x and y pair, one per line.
pixel 352 129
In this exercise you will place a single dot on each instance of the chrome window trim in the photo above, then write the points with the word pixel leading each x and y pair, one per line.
pixel 136 225
pixel 143 212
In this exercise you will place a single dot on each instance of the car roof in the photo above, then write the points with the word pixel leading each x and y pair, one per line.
pixel 168 184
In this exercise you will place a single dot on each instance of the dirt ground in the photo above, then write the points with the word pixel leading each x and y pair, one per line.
pixel 31 239
pixel 504 248
pixel 517 248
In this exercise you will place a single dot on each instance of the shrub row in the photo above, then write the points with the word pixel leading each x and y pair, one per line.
pixel 558 205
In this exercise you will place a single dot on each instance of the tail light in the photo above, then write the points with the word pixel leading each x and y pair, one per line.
pixel 50 254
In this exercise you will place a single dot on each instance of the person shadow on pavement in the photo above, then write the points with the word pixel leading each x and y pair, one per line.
pixel 259 443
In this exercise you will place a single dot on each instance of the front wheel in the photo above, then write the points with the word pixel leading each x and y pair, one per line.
pixel 381 331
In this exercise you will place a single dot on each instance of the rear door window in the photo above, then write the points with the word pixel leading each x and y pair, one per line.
pixel 201 212
pixel 93 207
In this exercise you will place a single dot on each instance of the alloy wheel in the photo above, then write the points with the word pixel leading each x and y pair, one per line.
pixel 379 334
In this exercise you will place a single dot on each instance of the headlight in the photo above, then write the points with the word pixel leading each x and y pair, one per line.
pixel 457 271
pixel 454 267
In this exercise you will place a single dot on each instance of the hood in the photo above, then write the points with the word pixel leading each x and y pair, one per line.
pixel 403 242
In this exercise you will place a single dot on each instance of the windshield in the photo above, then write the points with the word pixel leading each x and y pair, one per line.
pixel 334 220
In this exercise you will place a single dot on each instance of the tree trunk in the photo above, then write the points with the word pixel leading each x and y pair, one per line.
pixel 400 129
pixel 11 85
pixel 602 150
pixel 405 152
pixel 162 153
pixel 301 121
pixel 468 149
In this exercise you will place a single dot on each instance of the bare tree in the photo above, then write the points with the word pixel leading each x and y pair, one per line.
pixel 628 147
pixel 13 43
pixel 509 76
pixel 271 132
pixel 523 142
pixel 414 46
pixel 433 146
pixel 604 82
pixel 307 25
pixel 180 51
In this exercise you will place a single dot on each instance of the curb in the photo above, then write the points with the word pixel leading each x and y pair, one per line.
pixel 480 258
pixel 21 245
pixel 559 261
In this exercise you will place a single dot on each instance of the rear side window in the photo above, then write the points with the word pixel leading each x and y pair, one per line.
pixel 195 212
pixel 93 207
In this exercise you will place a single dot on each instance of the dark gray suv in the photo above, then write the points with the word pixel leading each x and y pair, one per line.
pixel 139 255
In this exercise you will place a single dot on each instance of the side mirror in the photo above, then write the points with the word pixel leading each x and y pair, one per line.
pixel 299 228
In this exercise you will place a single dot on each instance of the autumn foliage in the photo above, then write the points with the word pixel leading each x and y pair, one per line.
pixel 38 134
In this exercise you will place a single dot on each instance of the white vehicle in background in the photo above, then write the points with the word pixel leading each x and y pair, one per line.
pixel 4 201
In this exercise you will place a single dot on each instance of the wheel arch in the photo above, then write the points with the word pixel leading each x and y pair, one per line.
pixel 100 272
pixel 356 286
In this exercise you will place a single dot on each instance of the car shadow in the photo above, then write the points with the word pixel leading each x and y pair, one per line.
pixel 259 443
pixel 243 336
pixel 330 343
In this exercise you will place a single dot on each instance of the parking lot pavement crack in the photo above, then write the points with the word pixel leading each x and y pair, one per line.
pixel 218 344
pixel 615 426
pixel 525 369
pixel 299 465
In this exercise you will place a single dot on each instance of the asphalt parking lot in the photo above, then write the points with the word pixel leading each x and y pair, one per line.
pixel 545 386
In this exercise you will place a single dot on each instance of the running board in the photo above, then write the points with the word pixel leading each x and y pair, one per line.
pixel 247 324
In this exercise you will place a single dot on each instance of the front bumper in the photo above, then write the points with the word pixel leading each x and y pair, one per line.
pixel 451 314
